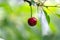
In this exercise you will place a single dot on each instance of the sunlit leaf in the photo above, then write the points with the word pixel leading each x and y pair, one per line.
pixel 58 15
pixel 47 16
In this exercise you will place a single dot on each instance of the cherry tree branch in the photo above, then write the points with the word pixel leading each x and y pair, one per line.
pixel 51 6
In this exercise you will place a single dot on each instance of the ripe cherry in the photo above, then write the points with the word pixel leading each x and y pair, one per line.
pixel 32 21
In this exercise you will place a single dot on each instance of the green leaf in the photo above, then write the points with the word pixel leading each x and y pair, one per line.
pixel 58 15
pixel 47 16
pixel 8 8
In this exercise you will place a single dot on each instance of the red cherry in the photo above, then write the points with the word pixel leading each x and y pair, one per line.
pixel 32 21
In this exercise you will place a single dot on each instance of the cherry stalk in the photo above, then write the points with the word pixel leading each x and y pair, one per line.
pixel 32 21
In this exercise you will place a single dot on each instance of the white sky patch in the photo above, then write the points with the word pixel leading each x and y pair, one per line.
pixel 1 39
pixel 21 2
pixel 50 3
pixel 13 3
pixel 57 1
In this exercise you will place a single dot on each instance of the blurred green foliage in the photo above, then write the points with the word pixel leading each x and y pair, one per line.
pixel 14 25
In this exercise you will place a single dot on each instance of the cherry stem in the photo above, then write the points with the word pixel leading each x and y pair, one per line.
pixel 31 10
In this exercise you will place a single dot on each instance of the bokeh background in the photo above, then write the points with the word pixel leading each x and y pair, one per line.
pixel 14 16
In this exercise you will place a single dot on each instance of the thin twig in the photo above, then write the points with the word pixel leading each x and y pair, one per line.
pixel 31 10
pixel 51 6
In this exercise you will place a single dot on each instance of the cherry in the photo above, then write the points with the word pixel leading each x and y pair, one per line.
pixel 32 21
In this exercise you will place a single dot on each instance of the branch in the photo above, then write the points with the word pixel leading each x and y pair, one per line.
pixel 51 6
